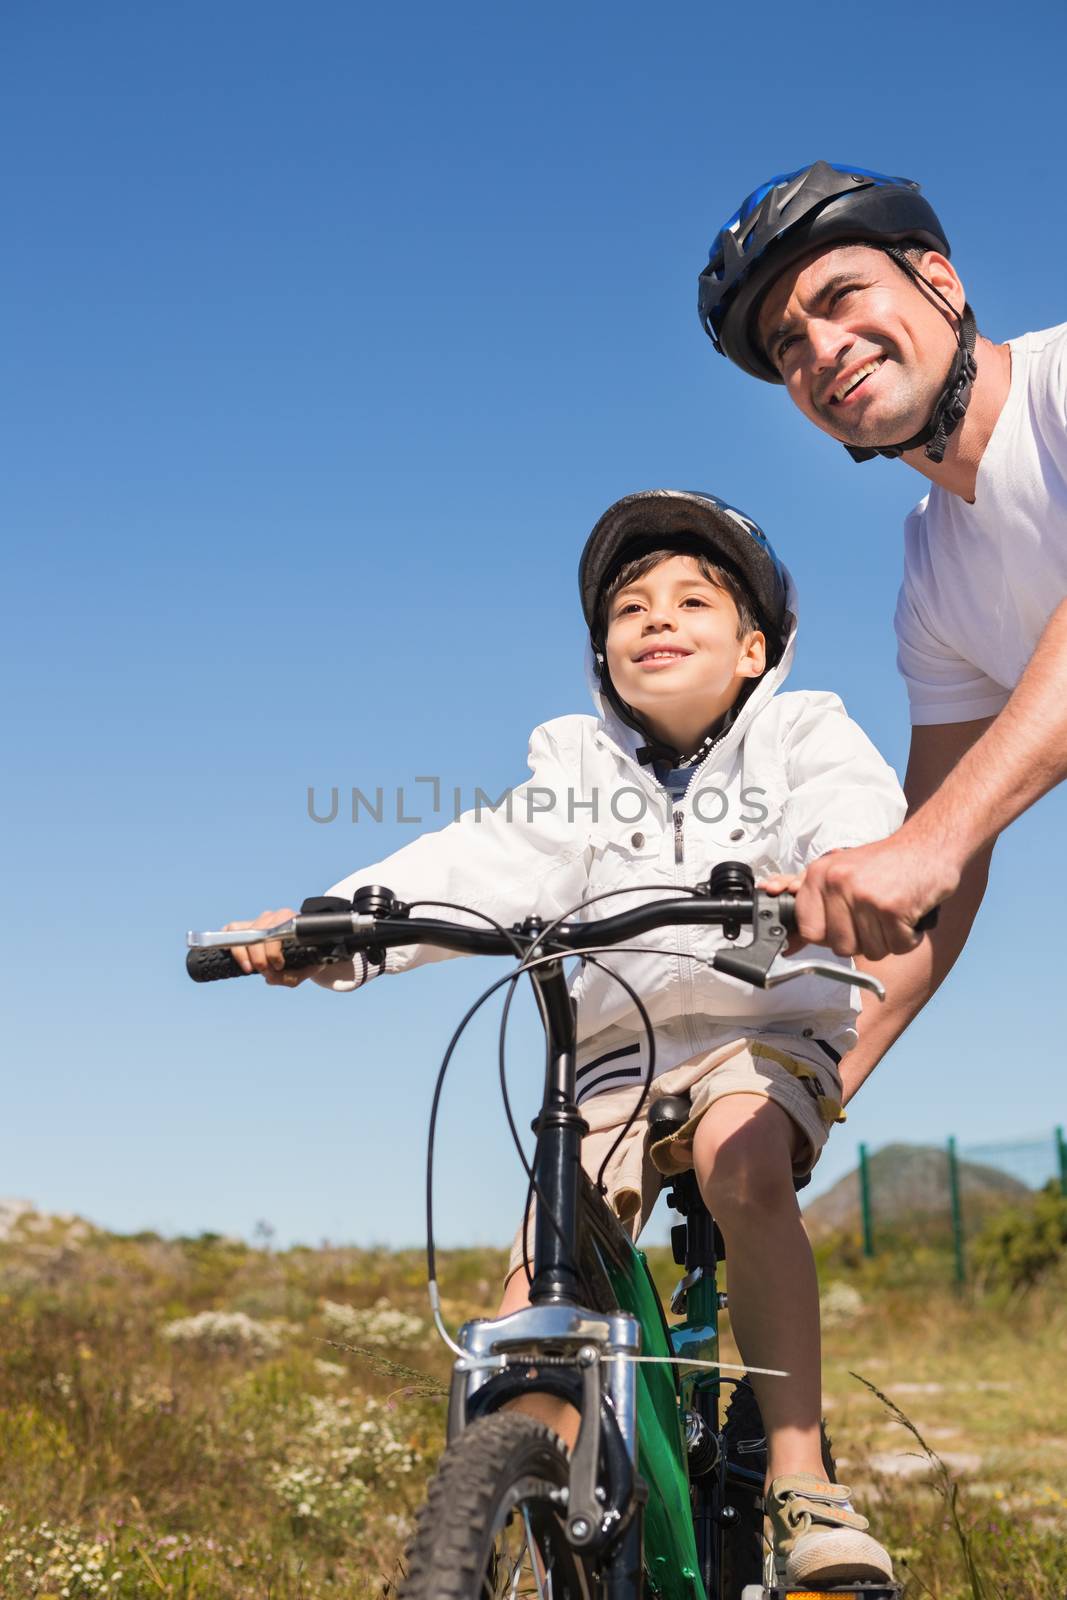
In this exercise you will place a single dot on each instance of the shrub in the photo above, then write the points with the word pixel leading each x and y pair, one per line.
pixel 1018 1247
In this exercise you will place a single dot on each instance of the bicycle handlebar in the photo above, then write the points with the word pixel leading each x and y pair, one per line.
pixel 377 921
pixel 316 938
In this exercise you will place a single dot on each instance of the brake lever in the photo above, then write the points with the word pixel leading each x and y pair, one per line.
pixel 761 963
pixel 753 961
pixel 285 931
pixel 781 970
pixel 306 928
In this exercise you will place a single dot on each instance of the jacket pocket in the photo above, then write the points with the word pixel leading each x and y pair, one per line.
pixel 735 822
pixel 626 854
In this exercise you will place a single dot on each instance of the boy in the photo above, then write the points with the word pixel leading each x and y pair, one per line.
pixel 693 758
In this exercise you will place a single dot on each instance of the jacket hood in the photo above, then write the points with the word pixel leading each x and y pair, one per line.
pixel 630 740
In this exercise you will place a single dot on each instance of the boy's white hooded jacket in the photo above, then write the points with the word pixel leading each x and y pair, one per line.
pixel 793 778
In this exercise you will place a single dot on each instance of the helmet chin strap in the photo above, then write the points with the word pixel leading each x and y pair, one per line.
pixel 955 397
pixel 655 749
pixel 658 749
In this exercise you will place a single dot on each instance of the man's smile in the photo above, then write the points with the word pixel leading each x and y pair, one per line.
pixel 844 388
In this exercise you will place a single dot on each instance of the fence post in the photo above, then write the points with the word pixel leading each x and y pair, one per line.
pixel 865 1203
pixel 957 1212
pixel 1061 1151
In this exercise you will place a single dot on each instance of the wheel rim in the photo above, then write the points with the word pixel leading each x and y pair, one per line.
pixel 529 1557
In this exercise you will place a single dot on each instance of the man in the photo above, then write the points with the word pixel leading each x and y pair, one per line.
pixel 836 282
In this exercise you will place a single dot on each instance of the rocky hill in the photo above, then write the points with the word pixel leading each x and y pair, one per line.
pixel 909 1185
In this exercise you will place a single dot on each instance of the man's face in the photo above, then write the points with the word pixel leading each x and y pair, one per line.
pixel 863 350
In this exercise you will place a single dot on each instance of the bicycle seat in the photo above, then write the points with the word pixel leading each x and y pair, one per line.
pixel 668 1117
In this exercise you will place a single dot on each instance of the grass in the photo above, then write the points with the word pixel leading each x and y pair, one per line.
pixel 196 1418
pixel 949 1418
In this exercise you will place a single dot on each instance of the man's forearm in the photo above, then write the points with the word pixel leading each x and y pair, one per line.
pixel 911 979
pixel 1020 757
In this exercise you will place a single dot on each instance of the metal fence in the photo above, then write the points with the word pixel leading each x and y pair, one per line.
pixel 941 1195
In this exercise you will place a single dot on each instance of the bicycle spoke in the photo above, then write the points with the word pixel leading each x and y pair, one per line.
pixel 535 1565
pixel 511 1565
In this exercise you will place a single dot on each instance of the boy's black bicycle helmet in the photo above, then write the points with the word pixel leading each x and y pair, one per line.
pixel 657 518
pixel 694 523
pixel 819 206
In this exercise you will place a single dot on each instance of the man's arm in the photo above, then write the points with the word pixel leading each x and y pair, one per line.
pixel 868 900
pixel 1021 755
pixel 911 979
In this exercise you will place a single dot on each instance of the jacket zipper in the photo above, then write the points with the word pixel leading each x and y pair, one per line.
pixel 684 938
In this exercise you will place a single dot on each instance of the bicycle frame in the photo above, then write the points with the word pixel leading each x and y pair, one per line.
pixel 641 1401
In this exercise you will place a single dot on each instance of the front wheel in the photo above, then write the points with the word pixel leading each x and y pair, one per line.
pixel 493 1526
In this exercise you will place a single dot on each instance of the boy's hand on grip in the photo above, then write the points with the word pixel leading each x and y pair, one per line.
pixel 269 958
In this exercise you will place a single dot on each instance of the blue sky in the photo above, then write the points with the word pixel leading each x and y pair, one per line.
pixel 329 333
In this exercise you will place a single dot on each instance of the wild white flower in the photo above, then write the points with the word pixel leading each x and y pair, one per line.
pixel 330 1369
pixel 840 1303
pixel 149 1394
pixel 339 1454
pixel 232 1332
pixel 380 1324
pixel 61 1559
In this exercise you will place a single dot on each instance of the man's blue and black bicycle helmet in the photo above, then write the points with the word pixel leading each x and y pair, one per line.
pixel 783 220
pixel 812 208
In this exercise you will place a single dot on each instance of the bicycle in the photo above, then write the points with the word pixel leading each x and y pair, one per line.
pixel 659 1498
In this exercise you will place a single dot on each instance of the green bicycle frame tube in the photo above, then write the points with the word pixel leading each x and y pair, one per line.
pixel 671 1561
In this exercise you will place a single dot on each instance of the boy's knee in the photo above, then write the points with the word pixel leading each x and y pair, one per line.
pixel 743 1153
pixel 516 1294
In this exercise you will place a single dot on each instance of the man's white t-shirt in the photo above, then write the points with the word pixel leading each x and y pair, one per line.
pixel 982 580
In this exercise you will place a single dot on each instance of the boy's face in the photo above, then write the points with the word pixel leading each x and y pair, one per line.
pixel 673 652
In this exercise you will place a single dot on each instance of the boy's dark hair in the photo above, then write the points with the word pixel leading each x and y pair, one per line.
pixel 722 574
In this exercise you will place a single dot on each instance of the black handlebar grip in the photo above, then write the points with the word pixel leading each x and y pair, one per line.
pixel 209 966
pixel 786 906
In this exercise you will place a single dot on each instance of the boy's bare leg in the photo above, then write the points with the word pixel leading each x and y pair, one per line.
pixel 743 1154
pixel 555 1414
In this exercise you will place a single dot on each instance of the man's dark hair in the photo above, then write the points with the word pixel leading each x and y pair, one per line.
pixel 721 574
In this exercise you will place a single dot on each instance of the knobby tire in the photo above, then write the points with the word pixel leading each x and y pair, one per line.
pixel 491 1490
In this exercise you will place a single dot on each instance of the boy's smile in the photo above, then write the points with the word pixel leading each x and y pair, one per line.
pixel 658 655
pixel 673 650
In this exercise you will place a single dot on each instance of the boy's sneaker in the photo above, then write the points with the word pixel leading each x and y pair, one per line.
pixel 818 1538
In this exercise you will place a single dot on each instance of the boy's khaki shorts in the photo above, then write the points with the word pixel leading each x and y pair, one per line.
pixel 797 1074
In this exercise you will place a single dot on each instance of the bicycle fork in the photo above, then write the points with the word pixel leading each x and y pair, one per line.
pixel 585 1358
